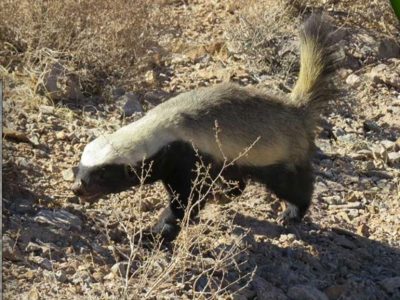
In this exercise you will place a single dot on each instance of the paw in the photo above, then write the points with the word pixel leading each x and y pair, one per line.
pixel 290 216
pixel 165 230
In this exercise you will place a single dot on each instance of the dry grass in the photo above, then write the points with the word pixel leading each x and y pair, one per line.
pixel 194 267
pixel 261 34
pixel 96 41
pixel 267 38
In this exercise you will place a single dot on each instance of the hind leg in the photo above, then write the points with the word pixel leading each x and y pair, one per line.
pixel 294 185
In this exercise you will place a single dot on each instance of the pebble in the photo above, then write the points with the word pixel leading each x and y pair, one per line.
pixel 59 218
pixel 335 291
pixel 267 291
pixel 391 284
pixel 46 109
pixel 60 135
pixel 10 250
pixel 32 247
pixel 353 80
pixel 394 157
pixel 61 276
pixel 109 276
pixel 388 48
pixel 119 269
pixel 389 145
pixel 306 292
pixel 344 242
pixel 363 230
pixel 43 262
pixel 68 174
pixel 117 92
pixel 369 125
pixel 290 237
pixel 33 294
pixel 131 104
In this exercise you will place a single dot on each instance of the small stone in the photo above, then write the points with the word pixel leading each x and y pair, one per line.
pixel 393 80
pixel 363 230
pixel 61 276
pixel 156 97
pixel 388 48
pixel 150 77
pixel 354 196
pixel 379 173
pixel 10 250
pixel 119 269
pixel 344 242
pixel 335 291
pixel 60 135
pixel 291 237
pixel 379 152
pixel 389 145
pixel 394 157
pixel 32 247
pixel 391 284
pixel 33 294
pixel 267 291
pixel 29 274
pixel 68 174
pixel 369 125
pixel 59 218
pixel 397 147
pixel 46 109
pixel 98 276
pixel 22 162
pixel 117 93
pixel 366 152
pixel 43 262
pixel 110 276
pixel 131 104
pixel 353 80
pixel 306 292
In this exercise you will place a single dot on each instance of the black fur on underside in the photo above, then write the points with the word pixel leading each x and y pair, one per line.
pixel 175 166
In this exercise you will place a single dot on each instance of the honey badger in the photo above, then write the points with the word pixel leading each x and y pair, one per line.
pixel 173 135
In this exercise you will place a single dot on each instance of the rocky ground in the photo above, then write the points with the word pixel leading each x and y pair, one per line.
pixel 348 247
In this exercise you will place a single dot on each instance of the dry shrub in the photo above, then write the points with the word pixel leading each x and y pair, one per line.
pixel 375 15
pixel 207 260
pixel 265 33
pixel 97 40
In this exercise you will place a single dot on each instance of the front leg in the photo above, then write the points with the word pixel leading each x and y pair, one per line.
pixel 182 194
pixel 167 225
pixel 179 175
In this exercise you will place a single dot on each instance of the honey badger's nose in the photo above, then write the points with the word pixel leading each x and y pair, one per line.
pixel 78 187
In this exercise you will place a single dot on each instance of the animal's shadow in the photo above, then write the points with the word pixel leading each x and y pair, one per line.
pixel 350 265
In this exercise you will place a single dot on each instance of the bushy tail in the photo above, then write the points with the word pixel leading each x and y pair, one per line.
pixel 314 87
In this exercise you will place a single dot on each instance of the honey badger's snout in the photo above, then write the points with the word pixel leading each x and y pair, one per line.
pixel 78 187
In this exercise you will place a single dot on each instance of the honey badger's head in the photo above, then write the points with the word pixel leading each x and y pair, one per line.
pixel 102 171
